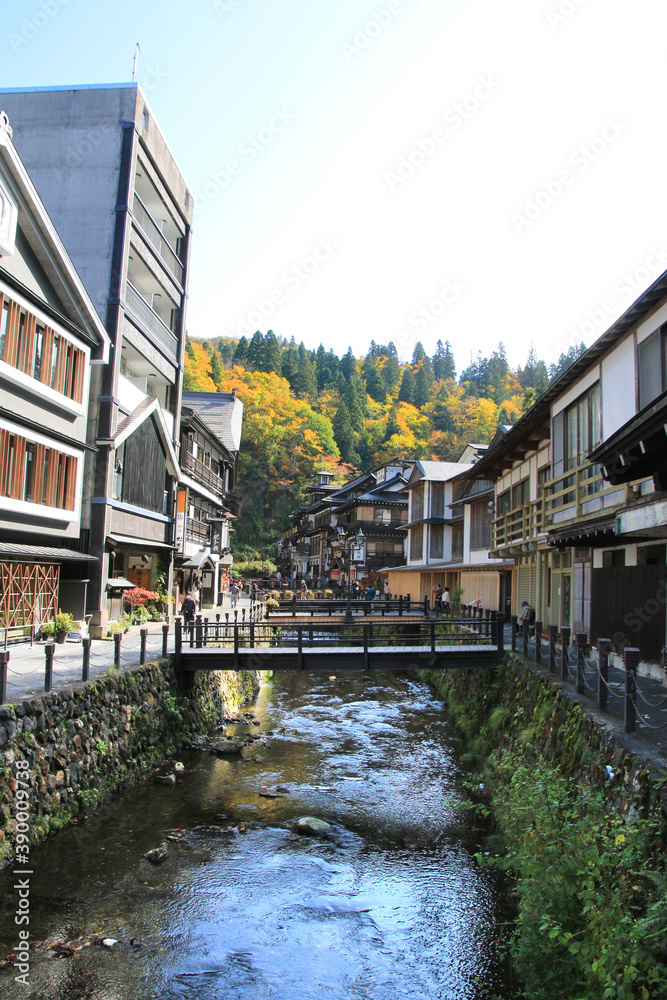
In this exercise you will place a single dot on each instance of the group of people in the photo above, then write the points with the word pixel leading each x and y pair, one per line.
pixel 441 600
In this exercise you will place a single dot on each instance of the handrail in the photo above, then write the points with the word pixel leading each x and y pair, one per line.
pixel 157 238
pixel 147 316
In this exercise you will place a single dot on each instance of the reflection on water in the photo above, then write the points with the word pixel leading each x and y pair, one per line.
pixel 390 906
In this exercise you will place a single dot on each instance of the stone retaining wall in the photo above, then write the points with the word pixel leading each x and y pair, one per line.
pixel 83 743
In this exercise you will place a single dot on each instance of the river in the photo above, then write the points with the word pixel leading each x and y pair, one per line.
pixel 391 905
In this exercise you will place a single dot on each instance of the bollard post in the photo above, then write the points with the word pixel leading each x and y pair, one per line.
pixel 604 648
pixel 178 643
pixel 581 638
pixel 142 645
pixel 426 607
pixel 514 628
pixel 525 629
pixel 217 617
pixel 85 659
pixel 236 645
pixel 565 632
pixel 553 635
pixel 299 643
pixel 117 640
pixel 4 657
pixel 400 606
pixel 365 634
pixel 433 637
pixel 206 629
pixel 165 639
pixel 294 604
pixel 48 665
pixel 198 631
pixel 487 629
pixel 252 635
pixel 538 642
pixel 630 664
pixel 500 635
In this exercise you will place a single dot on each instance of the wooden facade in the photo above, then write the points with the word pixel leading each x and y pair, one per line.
pixel 35 473
pixel 630 600
pixel 28 593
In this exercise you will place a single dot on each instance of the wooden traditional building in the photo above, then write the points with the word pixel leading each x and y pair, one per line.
pixel 50 339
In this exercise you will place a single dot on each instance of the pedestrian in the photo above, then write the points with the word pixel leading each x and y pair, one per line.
pixel 445 600
pixel 194 593
pixel 303 588
pixel 526 617
pixel 370 594
pixel 436 590
pixel 234 593
pixel 188 610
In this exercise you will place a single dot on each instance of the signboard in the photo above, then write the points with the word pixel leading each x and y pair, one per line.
pixel 358 553
pixel 180 519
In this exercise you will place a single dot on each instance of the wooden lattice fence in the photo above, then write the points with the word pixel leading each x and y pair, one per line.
pixel 28 593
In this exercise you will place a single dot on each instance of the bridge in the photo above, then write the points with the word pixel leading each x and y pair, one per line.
pixel 334 645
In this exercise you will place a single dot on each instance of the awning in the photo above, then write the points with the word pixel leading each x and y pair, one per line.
pixel 139 543
pixel 196 561
pixel 42 553
pixel 120 583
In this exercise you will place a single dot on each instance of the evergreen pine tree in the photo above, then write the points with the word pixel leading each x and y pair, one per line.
pixel 215 370
pixel 189 350
pixel 407 391
pixel 423 382
pixel 344 434
pixel 391 374
pixel 255 353
pixel 241 353
pixel 348 364
pixel 374 384
pixel 418 354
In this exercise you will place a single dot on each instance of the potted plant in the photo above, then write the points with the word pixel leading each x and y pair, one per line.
pixel 64 625
pixel 47 629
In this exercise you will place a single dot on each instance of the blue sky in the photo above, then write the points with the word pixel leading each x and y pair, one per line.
pixel 393 170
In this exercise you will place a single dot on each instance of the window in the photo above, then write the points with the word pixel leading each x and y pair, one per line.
pixel 37 359
pixel 504 503
pixel 418 503
pixel 457 541
pixel 651 364
pixel 382 515
pixel 417 543
pixel 583 427
pixel 437 541
pixel 34 473
pixel 480 529
pixel 437 499
pixel 4 319
pixel 520 494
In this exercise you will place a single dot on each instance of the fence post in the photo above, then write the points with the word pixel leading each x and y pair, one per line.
pixel 117 639
pixel 4 656
pixel 553 635
pixel 252 635
pixel 500 635
pixel 178 641
pixel 432 624
pixel 525 629
pixel 514 624
pixel 294 604
pixel 565 632
pixel 365 634
pixel 630 664
pixel 85 658
pixel 206 629
pixel 582 638
pixel 538 642
pixel 604 648
pixel 426 607
pixel 236 645
pixel 142 645
pixel 487 628
pixel 165 639
pixel 400 606
pixel 48 665
pixel 198 632
pixel 299 641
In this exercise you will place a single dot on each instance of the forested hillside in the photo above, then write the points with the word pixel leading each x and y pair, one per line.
pixel 308 410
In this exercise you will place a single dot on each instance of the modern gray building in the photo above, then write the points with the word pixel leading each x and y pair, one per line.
pixel 123 210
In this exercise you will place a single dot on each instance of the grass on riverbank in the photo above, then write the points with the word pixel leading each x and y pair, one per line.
pixel 581 831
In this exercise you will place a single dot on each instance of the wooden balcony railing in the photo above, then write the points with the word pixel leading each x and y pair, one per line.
pixel 518 525
pixel 202 473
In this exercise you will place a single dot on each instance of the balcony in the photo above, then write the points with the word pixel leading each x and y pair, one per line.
pixel 197 530
pixel 577 494
pixel 149 319
pixel 521 525
pixel 202 474
pixel 157 240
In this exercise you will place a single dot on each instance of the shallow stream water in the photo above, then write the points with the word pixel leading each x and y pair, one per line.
pixel 391 905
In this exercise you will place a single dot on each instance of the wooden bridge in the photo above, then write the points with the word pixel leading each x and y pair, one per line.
pixel 326 647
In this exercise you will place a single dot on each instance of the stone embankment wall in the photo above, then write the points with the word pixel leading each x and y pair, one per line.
pixel 83 743
pixel 537 712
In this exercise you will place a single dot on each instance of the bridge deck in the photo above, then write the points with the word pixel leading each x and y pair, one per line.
pixel 312 659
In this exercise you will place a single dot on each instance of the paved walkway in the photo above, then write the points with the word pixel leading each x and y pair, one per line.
pixel 25 679
pixel 25 670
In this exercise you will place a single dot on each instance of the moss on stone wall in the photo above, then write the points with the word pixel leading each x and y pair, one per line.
pixel 581 825
pixel 83 743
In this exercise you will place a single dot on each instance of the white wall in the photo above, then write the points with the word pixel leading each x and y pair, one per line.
pixel 618 387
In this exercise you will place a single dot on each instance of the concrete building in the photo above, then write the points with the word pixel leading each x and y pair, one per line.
pixel 124 212
pixel 52 342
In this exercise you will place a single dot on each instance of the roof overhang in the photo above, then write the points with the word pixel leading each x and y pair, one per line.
pixel 638 449
pixel 42 553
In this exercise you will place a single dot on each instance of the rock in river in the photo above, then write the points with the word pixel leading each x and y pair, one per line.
pixel 156 856
pixel 225 749
pixel 312 826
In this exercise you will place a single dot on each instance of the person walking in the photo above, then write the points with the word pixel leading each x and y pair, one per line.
pixel 445 601
pixel 188 610
pixel 437 598
pixel 370 594
pixel 234 593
